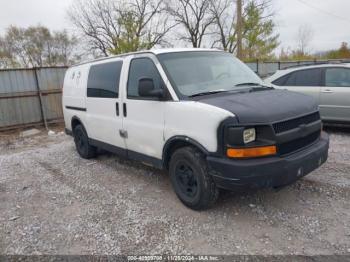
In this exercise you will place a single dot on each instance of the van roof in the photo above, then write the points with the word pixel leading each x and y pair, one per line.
pixel 152 51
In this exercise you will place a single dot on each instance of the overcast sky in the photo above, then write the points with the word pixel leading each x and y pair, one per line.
pixel 327 18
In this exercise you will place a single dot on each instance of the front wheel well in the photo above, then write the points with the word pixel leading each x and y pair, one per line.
pixel 174 144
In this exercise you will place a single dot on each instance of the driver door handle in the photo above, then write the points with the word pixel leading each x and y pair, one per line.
pixel 328 91
pixel 117 109
pixel 125 113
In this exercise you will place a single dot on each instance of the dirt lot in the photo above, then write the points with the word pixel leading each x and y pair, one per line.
pixel 53 202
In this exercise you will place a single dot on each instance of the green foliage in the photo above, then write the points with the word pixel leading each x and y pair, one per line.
pixel 35 46
pixel 129 39
pixel 259 39
pixel 342 53
pixel 296 55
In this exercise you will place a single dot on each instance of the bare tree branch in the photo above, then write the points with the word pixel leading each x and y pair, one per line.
pixel 192 16
pixel 120 26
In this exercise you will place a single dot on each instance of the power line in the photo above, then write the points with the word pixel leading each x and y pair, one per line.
pixel 323 11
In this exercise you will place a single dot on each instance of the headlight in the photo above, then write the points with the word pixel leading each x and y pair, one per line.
pixel 249 135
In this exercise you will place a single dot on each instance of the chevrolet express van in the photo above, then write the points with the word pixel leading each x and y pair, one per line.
pixel 200 114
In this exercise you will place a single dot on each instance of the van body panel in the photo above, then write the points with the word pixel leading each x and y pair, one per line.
pixel 74 94
pixel 195 120
pixel 143 120
pixel 103 115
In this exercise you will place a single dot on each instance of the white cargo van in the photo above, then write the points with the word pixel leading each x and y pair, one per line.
pixel 200 114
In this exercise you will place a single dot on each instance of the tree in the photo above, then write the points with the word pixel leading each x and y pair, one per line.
pixel 36 46
pixel 114 27
pixel 14 45
pixel 289 54
pixel 304 38
pixel 63 49
pixel 193 18
pixel 342 53
pixel 259 39
pixel 6 58
pixel 223 32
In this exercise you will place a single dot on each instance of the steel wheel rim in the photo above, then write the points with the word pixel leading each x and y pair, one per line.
pixel 186 179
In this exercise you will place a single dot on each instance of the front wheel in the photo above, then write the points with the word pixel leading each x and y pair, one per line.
pixel 190 179
pixel 82 145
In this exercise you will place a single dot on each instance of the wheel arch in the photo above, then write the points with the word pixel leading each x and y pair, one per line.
pixel 76 121
pixel 177 142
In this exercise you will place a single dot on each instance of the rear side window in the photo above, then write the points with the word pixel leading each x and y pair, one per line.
pixel 309 77
pixel 338 77
pixel 142 68
pixel 104 79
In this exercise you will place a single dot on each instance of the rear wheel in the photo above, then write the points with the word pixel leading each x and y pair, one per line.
pixel 82 145
pixel 191 181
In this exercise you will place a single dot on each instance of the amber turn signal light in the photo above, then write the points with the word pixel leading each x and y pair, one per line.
pixel 251 152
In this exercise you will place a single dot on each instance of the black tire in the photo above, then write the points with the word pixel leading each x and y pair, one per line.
pixel 82 145
pixel 191 180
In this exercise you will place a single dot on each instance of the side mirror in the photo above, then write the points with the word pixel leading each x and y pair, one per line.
pixel 147 89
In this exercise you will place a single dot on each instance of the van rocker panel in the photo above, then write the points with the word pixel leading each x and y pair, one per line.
pixel 268 172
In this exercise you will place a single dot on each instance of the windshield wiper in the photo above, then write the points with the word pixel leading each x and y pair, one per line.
pixel 208 93
pixel 249 84
pixel 255 87
pixel 260 88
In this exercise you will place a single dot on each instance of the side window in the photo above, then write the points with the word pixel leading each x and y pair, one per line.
pixel 142 68
pixel 308 77
pixel 338 77
pixel 281 81
pixel 104 79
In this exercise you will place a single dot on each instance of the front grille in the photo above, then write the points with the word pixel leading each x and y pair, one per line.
pixel 298 144
pixel 294 123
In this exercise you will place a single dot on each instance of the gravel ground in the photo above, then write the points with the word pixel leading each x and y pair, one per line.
pixel 53 202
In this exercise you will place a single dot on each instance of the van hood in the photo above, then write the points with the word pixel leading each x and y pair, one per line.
pixel 267 106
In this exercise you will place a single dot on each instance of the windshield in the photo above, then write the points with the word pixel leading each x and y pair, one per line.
pixel 193 73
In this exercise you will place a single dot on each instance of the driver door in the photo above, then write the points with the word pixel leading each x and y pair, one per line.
pixel 143 121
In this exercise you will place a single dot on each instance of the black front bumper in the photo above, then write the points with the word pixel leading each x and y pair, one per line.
pixel 269 171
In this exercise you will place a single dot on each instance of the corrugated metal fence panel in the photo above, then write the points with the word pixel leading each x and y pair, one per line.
pixel 51 84
pixel 19 97
pixel 19 111
pixel 16 81
pixel 51 78
pixel 16 109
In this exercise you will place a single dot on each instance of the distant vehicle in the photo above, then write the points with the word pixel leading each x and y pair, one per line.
pixel 200 114
pixel 329 84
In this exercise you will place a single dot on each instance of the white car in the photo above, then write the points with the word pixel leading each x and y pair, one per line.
pixel 200 114
pixel 329 84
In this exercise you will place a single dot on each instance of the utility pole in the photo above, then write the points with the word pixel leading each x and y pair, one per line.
pixel 239 29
